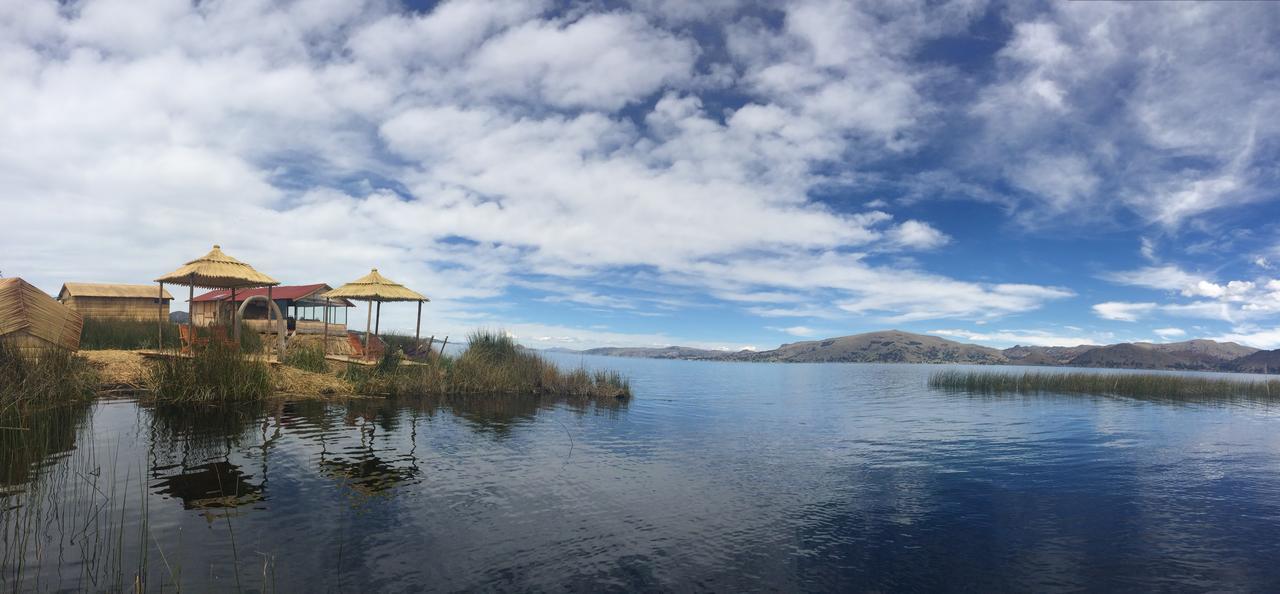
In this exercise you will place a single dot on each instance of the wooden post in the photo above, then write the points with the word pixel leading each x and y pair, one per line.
pixel 235 319
pixel 271 307
pixel 160 335
pixel 191 320
pixel 417 330
pixel 368 323
pixel 444 344
pixel 326 326
pixel 377 321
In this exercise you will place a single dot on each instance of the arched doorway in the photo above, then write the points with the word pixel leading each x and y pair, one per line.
pixel 280 327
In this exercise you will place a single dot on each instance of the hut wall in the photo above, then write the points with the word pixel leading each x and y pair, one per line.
pixel 117 308
pixel 205 313
pixel 28 344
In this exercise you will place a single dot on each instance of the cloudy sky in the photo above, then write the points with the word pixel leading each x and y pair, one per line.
pixel 719 173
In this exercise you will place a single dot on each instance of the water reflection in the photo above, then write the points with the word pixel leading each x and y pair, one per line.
pixel 209 485
pixel 32 440
pixel 719 477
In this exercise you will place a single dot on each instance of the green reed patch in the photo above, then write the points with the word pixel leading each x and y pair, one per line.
pixel 493 363
pixel 1137 385
pixel 100 334
pixel 50 377
pixel 215 373
pixel 308 358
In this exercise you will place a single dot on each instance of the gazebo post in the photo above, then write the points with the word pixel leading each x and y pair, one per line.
pixel 326 326
pixel 235 322
pixel 160 318
pixel 191 320
pixel 377 321
pixel 417 330
pixel 368 323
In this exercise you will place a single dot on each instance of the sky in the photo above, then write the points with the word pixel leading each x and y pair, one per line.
pixel 718 174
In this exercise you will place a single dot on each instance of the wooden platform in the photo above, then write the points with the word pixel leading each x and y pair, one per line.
pixel 366 362
pixel 153 354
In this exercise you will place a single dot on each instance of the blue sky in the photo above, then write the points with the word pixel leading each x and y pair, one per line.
pixel 721 174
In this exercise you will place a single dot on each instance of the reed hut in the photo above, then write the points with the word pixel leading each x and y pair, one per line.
pixel 216 270
pixel 33 321
pixel 373 288
pixel 303 306
pixel 110 301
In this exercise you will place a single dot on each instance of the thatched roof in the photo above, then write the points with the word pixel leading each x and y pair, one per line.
pixel 375 287
pixel 109 290
pixel 217 270
pixel 26 309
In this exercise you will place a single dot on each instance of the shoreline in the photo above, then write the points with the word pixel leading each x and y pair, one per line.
pixel 1063 368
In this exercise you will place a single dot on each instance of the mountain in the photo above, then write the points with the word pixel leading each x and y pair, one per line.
pixel 1041 355
pixel 892 346
pixel 671 352
pixel 895 346
pixel 1222 351
pixel 1258 362
pixel 1191 354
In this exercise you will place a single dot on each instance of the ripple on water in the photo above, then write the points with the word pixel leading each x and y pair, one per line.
pixel 716 476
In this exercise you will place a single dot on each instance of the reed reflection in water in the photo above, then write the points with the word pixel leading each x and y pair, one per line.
pixel 716 476
pixel 102 486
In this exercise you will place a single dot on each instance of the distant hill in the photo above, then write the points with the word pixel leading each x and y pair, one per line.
pixel 1201 354
pixel 891 346
pixel 1041 355
pixel 1258 362
pixel 1222 351
pixel 896 346
pixel 671 352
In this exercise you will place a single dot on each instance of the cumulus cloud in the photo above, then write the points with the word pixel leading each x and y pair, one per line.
pixel 1008 338
pixel 1121 311
pixel 1170 333
pixel 1180 138
pixel 480 144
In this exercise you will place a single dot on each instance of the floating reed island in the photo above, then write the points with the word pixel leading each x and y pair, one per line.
pixel 1155 386
pixel 217 354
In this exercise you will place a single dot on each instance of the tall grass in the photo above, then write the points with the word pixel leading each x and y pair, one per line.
pixel 100 334
pixel 215 373
pixel 415 350
pixel 308 358
pixel 129 335
pixel 493 363
pixel 1137 385
pixel 52 377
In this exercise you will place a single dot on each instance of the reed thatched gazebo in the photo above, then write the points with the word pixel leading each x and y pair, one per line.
pixel 216 270
pixel 375 288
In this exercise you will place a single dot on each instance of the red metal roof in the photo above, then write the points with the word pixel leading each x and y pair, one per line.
pixel 281 293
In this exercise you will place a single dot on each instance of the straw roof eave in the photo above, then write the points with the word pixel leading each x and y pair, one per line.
pixel 375 287
pixel 217 270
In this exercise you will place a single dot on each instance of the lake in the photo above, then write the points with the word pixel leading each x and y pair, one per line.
pixel 715 476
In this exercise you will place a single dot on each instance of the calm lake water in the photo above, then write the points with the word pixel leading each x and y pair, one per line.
pixel 716 476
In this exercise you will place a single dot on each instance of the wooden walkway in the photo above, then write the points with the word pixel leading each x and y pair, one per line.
pixel 366 362
pixel 154 354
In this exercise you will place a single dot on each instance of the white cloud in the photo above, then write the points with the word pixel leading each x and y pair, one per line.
pixel 917 235
pixel 801 331
pixel 1169 278
pixel 1170 333
pixel 1268 338
pixel 1008 338
pixel 1121 311
pixel 599 61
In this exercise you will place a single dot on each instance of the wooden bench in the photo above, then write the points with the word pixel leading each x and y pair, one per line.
pixel 216 333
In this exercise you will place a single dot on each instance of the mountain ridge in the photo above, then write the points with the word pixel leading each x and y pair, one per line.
pixel 896 346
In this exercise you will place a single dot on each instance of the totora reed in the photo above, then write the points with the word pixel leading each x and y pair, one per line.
pixel 1137 385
